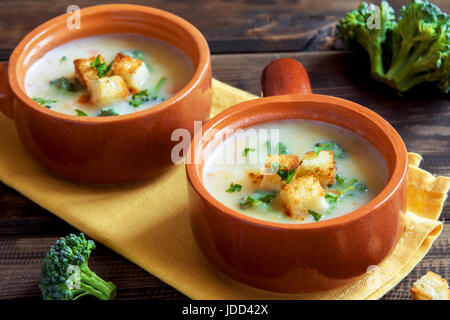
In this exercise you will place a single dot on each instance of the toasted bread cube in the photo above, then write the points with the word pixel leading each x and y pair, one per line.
pixel 288 162
pixel 430 286
pixel 107 90
pixel 271 180
pixel 84 72
pixel 266 181
pixel 321 166
pixel 133 71
pixel 302 194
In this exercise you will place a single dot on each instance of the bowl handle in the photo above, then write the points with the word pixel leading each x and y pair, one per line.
pixel 6 96
pixel 285 76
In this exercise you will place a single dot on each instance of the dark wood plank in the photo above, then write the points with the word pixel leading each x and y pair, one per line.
pixel 421 118
pixel 228 25
pixel 21 216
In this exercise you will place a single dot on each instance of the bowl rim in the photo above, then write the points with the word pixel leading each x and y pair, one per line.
pixel 395 180
pixel 199 72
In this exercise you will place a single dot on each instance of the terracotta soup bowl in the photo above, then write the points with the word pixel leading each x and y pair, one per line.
pixel 107 149
pixel 298 258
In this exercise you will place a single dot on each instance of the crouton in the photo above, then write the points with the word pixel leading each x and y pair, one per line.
pixel 302 194
pixel 254 177
pixel 320 165
pixel 84 72
pixel 287 162
pixel 133 71
pixel 271 180
pixel 430 286
pixel 107 90
pixel 266 181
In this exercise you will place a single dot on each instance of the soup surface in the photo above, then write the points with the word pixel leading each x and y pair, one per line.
pixel 151 71
pixel 294 171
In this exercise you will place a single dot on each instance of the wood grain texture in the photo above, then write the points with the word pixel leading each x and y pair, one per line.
pixel 228 25
pixel 422 118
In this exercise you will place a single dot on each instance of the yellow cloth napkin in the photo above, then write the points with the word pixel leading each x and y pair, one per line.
pixel 148 222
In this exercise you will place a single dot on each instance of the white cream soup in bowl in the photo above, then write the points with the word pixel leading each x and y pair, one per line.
pixel 108 75
pixel 294 171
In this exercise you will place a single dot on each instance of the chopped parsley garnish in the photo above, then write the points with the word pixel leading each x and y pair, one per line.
pixel 143 96
pixel 315 215
pixel 102 67
pixel 338 152
pixel 106 112
pixel 343 188
pixel 280 148
pixel 246 151
pixel 234 188
pixel 81 113
pixel 137 55
pixel 44 102
pixel 139 98
pixel 71 85
pixel 64 58
pixel 284 172
pixel 258 198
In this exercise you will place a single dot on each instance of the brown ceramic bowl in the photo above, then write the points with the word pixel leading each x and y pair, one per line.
pixel 298 257
pixel 108 149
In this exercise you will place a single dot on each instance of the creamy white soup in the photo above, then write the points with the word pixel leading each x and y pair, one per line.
pixel 108 75
pixel 294 171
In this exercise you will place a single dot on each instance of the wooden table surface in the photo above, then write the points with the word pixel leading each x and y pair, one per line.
pixel 243 37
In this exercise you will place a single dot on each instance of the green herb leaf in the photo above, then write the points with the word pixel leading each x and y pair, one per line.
pixel 104 112
pixel 143 96
pixel 81 113
pixel 64 58
pixel 154 94
pixel 343 188
pixel 279 149
pixel 44 102
pixel 258 198
pixel 71 85
pixel 287 176
pixel 331 197
pixel 139 98
pixel 102 68
pixel 234 188
pixel 246 151
pixel 338 152
pixel 265 196
pixel 315 215
pixel 284 172
pixel 282 148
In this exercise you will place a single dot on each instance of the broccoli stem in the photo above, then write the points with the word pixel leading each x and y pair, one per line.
pixel 92 284
pixel 376 63
pixel 399 61
pixel 411 81
pixel 410 68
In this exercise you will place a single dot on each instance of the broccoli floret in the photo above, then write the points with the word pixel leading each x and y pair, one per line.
pixel 354 29
pixel 65 273
pixel 420 47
